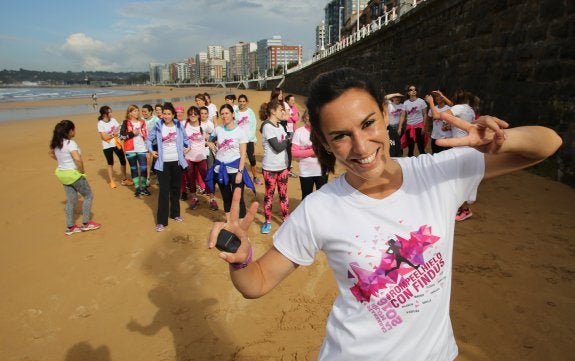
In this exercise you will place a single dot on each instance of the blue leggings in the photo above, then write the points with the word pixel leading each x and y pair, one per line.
pixel 137 160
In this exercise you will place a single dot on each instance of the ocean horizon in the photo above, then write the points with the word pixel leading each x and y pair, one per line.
pixel 32 94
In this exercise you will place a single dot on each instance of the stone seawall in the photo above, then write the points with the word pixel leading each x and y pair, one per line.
pixel 517 56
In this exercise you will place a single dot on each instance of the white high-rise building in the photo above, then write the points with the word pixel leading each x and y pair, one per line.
pixel 262 51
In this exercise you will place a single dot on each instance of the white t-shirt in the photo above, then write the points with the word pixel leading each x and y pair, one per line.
pixel 436 131
pixel 404 314
pixel 273 161
pixel 212 112
pixel 197 143
pixel 110 127
pixel 64 156
pixel 208 128
pixel 465 112
pixel 414 111
pixel 247 121
pixel 394 111
pixel 229 141
pixel 309 166
pixel 169 143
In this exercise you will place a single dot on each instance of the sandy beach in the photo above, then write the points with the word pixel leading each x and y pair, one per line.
pixel 125 292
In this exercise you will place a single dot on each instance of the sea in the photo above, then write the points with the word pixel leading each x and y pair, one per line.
pixel 31 94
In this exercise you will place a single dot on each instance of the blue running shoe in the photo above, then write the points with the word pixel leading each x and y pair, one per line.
pixel 266 228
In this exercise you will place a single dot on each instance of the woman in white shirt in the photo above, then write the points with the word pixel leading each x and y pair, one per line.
pixel 71 174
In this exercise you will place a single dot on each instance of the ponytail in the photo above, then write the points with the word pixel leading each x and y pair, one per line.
pixel 61 132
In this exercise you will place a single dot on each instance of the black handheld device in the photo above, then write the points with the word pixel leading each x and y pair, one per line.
pixel 227 241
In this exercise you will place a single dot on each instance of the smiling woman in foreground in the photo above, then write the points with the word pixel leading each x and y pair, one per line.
pixel 386 225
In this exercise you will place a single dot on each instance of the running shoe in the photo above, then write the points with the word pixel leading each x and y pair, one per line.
pixel 148 182
pixel 292 174
pixel 213 205
pixel 127 182
pixel 200 190
pixel 137 192
pixel 184 196
pixel 257 181
pixel 159 227
pixel 90 226
pixel 266 228
pixel 144 191
pixel 73 229
pixel 194 203
pixel 178 219
pixel 463 214
pixel 113 184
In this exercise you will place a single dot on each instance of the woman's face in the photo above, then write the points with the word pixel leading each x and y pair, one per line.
pixel 200 102
pixel 204 115
pixel 243 104
pixel 227 116
pixel 135 113
pixel 193 116
pixel 355 131
pixel 146 114
pixel 159 112
pixel 168 116
pixel 277 112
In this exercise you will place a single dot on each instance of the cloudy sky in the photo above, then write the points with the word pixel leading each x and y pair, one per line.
pixel 124 35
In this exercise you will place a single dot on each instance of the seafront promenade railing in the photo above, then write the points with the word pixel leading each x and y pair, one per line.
pixel 366 30
pixel 378 24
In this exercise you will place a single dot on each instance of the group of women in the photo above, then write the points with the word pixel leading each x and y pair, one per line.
pixel 190 154
pixel 415 121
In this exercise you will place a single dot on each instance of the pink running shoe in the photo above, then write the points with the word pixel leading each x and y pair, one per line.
pixel 214 205
pixel 463 214
pixel 72 230
pixel 194 203
pixel 90 226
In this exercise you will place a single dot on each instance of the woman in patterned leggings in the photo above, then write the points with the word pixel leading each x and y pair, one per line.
pixel 275 161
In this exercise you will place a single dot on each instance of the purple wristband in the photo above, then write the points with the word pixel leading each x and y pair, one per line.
pixel 247 261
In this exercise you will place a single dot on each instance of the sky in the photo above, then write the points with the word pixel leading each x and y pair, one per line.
pixel 124 35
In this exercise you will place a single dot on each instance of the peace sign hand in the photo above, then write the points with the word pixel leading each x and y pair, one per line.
pixel 485 134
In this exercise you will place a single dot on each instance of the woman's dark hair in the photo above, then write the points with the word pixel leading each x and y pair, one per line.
pixel 276 93
pixel 204 108
pixel 462 96
pixel 103 111
pixel 227 106
pixel 325 88
pixel 61 132
pixel 194 109
pixel 149 107
pixel 169 106
pixel 244 97
pixel 266 108
pixel 230 97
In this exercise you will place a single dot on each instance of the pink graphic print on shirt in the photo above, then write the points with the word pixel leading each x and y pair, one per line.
pixel 244 121
pixel 413 110
pixel 225 145
pixel 196 137
pixel 401 279
pixel 170 137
